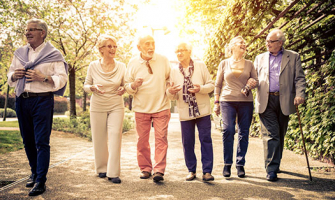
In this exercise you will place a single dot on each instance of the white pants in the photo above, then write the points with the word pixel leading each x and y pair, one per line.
pixel 106 130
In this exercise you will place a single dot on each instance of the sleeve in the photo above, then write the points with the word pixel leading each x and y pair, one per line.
pixel 208 86
pixel 59 75
pixel 172 79
pixel 14 65
pixel 123 71
pixel 253 74
pixel 129 79
pixel 300 81
pixel 219 79
pixel 88 80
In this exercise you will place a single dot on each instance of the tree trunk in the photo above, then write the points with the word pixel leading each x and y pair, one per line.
pixel 6 103
pixel 84 101
pixel 72 86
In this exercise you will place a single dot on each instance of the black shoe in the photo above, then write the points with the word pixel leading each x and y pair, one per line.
pixel 115 180
pixel 39 188
pixel 226 170
pixel 158 177
pixel 271 176
pixel 240 171
pixel 31 180
pixel 102 175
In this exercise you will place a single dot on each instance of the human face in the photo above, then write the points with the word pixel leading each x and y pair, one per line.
pixel 183 54
pixel 239 47
pixel 147 47
pixel 35 35
pixel 108 51
pixel 273 44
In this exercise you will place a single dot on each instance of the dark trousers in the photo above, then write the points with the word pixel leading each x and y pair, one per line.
pixel 35 120
pixel 188 138
pixel 273 128
pixel 243 111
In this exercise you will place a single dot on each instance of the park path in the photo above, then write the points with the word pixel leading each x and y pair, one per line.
pixel 71 175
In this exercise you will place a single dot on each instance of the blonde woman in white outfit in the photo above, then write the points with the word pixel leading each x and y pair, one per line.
pixel 105 79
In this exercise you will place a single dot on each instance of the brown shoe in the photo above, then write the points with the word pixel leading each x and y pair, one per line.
pixel 158 177
pixel 145 175
pixel 191 176
pixel 208 177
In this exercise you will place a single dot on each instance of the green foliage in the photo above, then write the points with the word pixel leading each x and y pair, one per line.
pixel 10 141
pixel 10 112
pixel 9 124
pixel 61 104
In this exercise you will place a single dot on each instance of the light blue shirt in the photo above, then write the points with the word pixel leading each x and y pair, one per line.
pixel 274 71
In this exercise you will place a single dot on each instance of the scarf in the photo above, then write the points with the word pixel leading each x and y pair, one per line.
pixel 47 55
pixel 189 97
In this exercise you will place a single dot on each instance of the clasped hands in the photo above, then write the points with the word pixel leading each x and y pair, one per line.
pixel 30 74
pixel 173 89
pixel 98 88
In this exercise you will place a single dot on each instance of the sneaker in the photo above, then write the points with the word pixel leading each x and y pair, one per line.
pixel 207 177
pixel 158 177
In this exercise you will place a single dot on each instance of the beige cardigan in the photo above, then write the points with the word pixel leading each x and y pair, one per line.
pixel 200 76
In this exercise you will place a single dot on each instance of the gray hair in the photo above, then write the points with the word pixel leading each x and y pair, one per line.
pixel 41 24
pixel 228 47
pixel 103 40
pixel 141 37
pixel 187 45
pixel 279 33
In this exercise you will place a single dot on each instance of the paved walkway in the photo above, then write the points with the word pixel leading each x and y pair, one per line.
pixel 72 174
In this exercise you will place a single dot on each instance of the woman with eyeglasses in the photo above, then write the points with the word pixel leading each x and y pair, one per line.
pixel 105 79
pixel 235 78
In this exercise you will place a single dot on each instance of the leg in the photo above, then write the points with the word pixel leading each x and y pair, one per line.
pixel 245 110
pixel 24 116
pixel 99 139
pixel 114 126
pixel 188 140
pixel 283 124
pixel 228 112
pixel 204 125
pixel 42 119
pixel 270 134
pixel 143 126
pixel 161 122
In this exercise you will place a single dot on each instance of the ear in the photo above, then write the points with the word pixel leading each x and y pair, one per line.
pixel 43 33
pixel 139 47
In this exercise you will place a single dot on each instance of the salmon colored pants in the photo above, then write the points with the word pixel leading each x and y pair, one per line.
pixel 143 125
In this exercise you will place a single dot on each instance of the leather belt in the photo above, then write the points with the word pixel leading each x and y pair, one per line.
pixel 30 94
pixel 274 93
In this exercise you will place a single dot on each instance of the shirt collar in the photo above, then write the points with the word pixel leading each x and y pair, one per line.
pixel 280 52
pixel 37 49
pixel 143 61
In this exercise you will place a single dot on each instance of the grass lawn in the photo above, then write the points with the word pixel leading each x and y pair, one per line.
pixel 10 141
pixel 9 124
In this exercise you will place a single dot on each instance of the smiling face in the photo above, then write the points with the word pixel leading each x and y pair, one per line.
pixel 183 54
pixel 273 44
pixel 108 50
pixel 147 47
pixel 239 47
pixel 35 35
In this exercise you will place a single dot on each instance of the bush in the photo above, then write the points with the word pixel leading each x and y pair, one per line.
pixel 61 104
pixel 10 112
pixel 10 103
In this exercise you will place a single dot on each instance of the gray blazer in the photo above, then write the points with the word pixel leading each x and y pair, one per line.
pixel 292 81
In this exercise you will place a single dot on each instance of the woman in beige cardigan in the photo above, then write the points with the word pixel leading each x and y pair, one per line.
pixel 105 79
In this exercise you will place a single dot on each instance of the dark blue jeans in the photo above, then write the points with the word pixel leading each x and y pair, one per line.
pixel 35 120
pixel 229 111
pixel 188 138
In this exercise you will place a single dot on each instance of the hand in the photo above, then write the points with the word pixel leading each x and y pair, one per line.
pixel 298 100
pixel 120 91
pixel 195 89
pixel 217 109
pixel 34 75
pixel 18 74
pixel 174 89
pixel 97 88
pixel 252 83
pixel 137 83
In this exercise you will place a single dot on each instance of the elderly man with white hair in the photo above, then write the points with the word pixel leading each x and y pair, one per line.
pixel 281 87
pixel 190 84
pixel 147 78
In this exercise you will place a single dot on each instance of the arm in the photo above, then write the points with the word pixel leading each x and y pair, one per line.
pixel 208 82
pixel 299 81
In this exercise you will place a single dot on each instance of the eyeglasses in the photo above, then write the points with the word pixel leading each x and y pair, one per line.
pixel 271 41
pixel 180 51
pixel 110 46
pixel 149 67
pixel 33 29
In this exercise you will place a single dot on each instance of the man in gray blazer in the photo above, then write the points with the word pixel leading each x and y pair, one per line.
pixel 281 86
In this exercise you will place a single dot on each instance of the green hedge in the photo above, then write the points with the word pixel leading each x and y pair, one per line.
pixel 10 112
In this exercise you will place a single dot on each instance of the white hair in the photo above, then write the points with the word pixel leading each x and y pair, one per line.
pixel 41 24
pixel 228 48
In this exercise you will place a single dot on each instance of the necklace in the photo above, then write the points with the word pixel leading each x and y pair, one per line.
pixel 237 60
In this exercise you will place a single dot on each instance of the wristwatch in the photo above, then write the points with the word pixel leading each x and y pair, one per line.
pixel 46 79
